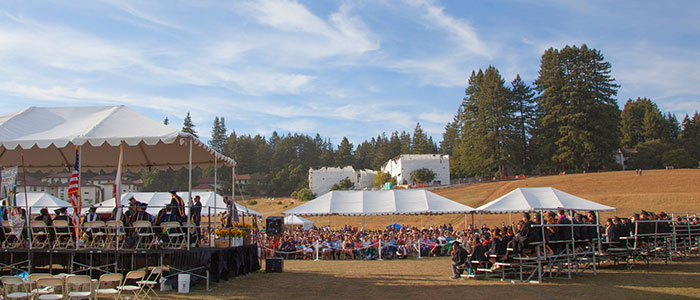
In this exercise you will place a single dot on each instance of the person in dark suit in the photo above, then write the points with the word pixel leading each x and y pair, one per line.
pixel 522 237
pixel 196 215
pixel 178 205
pixel 459 258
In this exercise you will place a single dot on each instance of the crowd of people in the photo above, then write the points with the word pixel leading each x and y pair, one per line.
pixel 354 243
pixel 555 231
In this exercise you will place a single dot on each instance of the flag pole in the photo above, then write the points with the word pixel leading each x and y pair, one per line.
pixel 79 198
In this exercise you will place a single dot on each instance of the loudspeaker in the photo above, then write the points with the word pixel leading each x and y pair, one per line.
pixel 274 265
pixel 273 225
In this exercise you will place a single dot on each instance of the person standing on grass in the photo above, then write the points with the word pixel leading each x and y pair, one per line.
pixel 459 258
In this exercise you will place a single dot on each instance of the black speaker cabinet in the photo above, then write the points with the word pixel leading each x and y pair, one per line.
pixel 274 225
pixel 274 265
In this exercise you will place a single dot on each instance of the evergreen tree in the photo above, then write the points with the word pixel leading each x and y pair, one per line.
pixel 522 97
pixel 673 129
pixel 344 157
pixel 406 144
pixel 579 115
pixel 690 136
pixel 166 122
pixel 218 135
pixel 188 126
pixel 485 146
pixel 420 142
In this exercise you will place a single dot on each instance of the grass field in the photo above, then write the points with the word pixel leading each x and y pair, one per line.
pixel 429 279
pixel 655 190
pixel 660 190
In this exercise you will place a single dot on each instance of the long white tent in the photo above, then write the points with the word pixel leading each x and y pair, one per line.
pixel 539 199
pixel 392 202
pixel 37 201
pixel 211 203
pixel 47 137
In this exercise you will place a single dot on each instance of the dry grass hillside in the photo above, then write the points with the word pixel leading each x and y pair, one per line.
pixel 655 190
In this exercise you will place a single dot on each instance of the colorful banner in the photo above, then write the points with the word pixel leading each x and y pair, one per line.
pixel 9 185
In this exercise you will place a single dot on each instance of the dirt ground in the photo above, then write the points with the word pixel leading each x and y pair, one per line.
pixel 428 278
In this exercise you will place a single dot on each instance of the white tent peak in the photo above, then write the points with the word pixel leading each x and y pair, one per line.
pixel 99 130
pixel 537 199
pixel 399 202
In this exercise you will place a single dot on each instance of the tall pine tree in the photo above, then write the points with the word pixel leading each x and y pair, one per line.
pixel 580 118
pixel 218 135
pixel 523 98
pixel 188 126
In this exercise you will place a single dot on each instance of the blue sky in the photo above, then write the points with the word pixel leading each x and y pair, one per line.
pixel 339 68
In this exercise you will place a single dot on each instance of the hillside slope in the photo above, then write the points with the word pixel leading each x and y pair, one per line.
pixel 656 190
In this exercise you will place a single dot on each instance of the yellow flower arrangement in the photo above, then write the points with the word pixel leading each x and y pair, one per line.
pixel 231 232
pixel 242 225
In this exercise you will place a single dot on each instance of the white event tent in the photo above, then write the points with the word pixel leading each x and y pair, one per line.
pixel 211 203
pixel 539 199
pixel 391 202
pixel 37 201
pixel 295 220
pixel 47 138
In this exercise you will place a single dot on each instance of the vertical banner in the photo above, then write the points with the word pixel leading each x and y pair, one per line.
pixel 9 187
pixel 117 192
pixel 74 194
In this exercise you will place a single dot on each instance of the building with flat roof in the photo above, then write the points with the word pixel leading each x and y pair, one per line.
pixel 402 166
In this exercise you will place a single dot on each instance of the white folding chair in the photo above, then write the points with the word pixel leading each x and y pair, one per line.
pixel 78 287
pixel 15 288
pixel 144 234
pixel 98 232
pixel 40 234
pixel 150 282
pixel 64 238
pixel 176 238
pixel 49 288
pixel 17 239
pixel 115 231
pixel 131 289
pixel 107 286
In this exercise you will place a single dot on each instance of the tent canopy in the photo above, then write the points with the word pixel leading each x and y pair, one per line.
pixel 297 220
pixel 392 202
pixel 538 199
pixel 157 200
pixel 37 201
pixel 47 136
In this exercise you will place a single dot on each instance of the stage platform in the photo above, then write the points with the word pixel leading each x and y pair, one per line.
pixel 210 264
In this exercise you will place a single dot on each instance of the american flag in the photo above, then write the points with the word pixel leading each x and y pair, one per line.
pixel 74 192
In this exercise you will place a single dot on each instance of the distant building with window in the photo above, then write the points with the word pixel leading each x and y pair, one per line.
pixel 403 165
pixel 321 180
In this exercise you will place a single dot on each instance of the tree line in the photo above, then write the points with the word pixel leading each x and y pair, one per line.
pixel 567 121
pixel 279 164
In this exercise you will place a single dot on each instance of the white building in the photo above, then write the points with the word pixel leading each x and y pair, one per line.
pixel 321 180
pixel 403 165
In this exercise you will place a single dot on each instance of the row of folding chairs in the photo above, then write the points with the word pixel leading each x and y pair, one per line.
pixel 100 235
pixel 135 285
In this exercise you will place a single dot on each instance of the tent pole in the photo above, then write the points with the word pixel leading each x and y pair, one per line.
pixel 421 221
pixel 26 203
pixel 479 220
pixel 465 221
pixel 510 221
pixel 363 222
pixel 189 190
pixel 209 218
